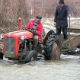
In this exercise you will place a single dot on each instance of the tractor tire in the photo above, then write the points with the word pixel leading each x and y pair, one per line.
pixel 52 50
pixel 30 56
pixel 1 56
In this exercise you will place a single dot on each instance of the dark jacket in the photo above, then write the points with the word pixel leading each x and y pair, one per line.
pixel 61 15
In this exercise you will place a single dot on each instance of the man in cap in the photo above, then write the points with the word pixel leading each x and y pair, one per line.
pixel 36 27
pixel 60 20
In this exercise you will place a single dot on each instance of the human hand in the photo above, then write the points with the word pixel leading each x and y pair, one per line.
pixel 69 15
pixel 34 32
pixel 54 23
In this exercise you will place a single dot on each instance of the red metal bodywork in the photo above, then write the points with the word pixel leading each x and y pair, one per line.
pixel 17 36
pixel 20 23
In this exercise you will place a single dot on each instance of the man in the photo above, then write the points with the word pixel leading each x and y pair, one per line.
pixel 61 14
pixel 36 27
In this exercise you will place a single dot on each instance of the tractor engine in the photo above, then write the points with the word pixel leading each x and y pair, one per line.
pixel 12 41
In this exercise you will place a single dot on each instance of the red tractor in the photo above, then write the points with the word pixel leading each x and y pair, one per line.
pixel 13 48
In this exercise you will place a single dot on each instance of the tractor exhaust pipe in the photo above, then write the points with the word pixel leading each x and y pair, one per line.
pixel 20 23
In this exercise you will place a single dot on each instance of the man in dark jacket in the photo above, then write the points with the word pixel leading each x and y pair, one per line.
pixel 61 14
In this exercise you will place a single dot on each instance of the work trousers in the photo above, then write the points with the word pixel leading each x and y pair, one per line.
pixel 63 29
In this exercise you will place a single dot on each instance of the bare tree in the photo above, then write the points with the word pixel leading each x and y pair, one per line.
pixel 10 11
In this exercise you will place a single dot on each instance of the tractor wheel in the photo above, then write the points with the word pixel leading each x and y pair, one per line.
pixel 1 55
pixel 30 56
pixel 52 50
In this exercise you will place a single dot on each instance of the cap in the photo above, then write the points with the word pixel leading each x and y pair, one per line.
pixel 39 17
pixel 61 2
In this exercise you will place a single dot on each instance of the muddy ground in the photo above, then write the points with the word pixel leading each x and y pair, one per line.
pixel 68 68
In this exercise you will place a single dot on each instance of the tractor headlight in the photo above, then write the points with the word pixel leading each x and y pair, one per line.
pixel 23 37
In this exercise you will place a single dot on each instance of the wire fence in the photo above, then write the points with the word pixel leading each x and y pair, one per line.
pixel 10 12
pixel 47 7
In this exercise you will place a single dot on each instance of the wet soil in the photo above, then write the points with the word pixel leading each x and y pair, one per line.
pixel 68 68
